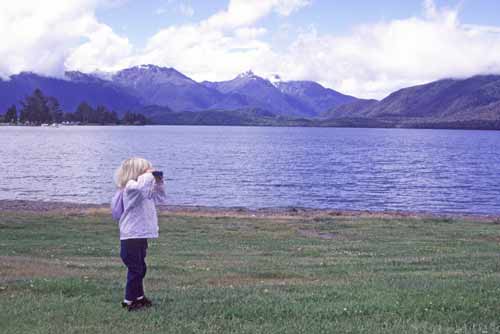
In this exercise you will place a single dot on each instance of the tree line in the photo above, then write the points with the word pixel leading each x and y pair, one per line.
pixel 38 109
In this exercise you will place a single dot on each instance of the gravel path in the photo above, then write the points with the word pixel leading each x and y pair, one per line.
pixel 290 212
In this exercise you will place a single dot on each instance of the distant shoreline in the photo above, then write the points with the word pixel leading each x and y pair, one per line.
pixel 43 207
pixel 318 126
pixel 60 125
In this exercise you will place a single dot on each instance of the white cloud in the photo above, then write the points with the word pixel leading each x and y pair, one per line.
pixel 377 59
pixel 249 33
pixel 220 46
pixel 41 36
pixel 104 50
pixel 204 53
pixel 241 13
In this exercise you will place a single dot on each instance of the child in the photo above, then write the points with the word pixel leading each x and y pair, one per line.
pixel 134 206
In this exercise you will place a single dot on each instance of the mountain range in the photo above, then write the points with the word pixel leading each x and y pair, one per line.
pixel 167 96
pixel 168 89
pixel 451 103
pixel 70 92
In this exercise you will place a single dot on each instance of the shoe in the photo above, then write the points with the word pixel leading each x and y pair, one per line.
pixel 135 305
pixel 145 302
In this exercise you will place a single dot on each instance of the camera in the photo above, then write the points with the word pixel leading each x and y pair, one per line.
pixel 158 174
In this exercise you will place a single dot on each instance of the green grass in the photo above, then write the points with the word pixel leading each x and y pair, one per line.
pixel 62 274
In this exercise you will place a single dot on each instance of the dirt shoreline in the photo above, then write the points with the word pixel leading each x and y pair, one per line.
pixel 24 206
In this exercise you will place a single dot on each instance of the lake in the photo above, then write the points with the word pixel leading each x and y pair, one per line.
pixel 439 171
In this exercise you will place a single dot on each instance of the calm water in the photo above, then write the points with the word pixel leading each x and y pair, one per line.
pixel 354 169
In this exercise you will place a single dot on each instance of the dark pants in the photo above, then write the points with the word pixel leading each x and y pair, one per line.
pixel 133 254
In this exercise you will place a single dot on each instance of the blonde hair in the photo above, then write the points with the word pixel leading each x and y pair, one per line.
pixel 130 169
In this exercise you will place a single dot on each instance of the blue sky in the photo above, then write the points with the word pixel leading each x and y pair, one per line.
pixel 364 48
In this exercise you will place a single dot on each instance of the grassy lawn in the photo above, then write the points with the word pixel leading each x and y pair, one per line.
pixel 61 273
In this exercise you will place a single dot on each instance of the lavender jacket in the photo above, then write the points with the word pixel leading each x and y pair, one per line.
pixel 138 218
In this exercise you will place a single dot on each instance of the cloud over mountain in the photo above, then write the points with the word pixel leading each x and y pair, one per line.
pixel 379 58
pixel 50 36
